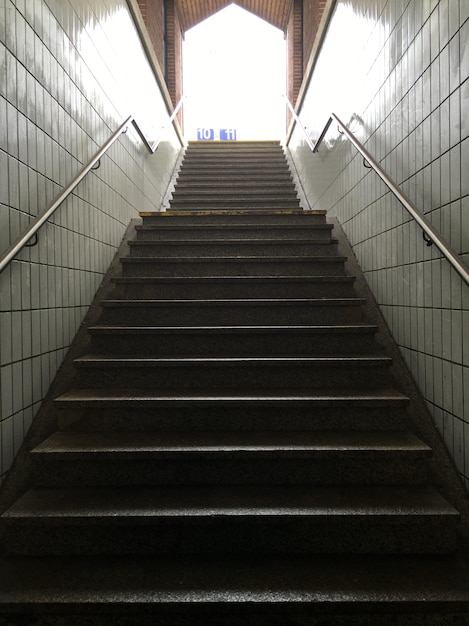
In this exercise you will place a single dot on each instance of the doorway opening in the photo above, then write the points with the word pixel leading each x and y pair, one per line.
pixel 234 69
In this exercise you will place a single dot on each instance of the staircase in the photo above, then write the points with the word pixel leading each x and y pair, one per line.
pixel 234 450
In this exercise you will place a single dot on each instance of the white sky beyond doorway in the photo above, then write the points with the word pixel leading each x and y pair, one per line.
pixel 234 70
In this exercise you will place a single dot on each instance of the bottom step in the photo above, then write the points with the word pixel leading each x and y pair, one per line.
pixel 273 591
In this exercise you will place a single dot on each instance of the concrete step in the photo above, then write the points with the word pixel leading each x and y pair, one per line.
pixel 235 178
pixel 247 312
pixel 232 458
pixel 215 161
pixel 241 164
pixel 234 145
pixel 257 192
pixel 232 520
pixel 227 151
pixel 232 247
pixel 274 198
pixel 234 340
pixel 226 372
pixel 234 204
pixel 249 185
pixel 153 409
pixel 221 287
pixel 329 265
pixel 248 232
pixel 260 218
pixel 249 590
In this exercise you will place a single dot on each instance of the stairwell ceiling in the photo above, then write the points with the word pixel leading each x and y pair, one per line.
pixel 275 12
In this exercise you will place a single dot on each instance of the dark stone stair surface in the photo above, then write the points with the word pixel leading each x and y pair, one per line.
pixel 233 448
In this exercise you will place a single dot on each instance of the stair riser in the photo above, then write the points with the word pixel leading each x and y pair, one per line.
pixel 318 235
pixel 231 534
pixel 220 418
pixel 401 469
pixel 251 173
pixel 240 267
pixel 234 205
pixel 227 154
pixel 213 289
pixel 236 166
pixel 232 377
pixel 210 249
pixel 281 187
pixel 233 195
pixel 239 153
pixel 220 220
pixel 234 344
pixel 196 147
pixel 188 315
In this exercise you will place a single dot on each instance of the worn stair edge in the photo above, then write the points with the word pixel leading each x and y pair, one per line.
pixel 146 503
pixel 207 519
pixel 113 397
pixel 221 444
pixel 196 457
pixel 213 214
pixel 236 259
pixel 240 302
pixel 236 330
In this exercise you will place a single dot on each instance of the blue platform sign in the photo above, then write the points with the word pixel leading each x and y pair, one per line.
pixel 205 134
pixel 228 134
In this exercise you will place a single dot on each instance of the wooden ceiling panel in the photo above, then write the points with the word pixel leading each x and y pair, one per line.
pixel 275 12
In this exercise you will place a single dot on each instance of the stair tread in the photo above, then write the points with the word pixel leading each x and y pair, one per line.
pixel 120 503
pixel 141 397
pixel 229 361
pixel 234 279
pixel 248 583
pixel 222 443
pixel 235 259
pixel 245 212
pixel 215 330
pixel 248 184
pixel 234 226
pixel 267 302
pixel 224 241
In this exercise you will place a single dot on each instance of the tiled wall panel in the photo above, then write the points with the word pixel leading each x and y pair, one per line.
pixel 70 72
pixel 397 72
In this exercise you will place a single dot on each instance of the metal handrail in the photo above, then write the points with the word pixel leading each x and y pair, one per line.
pixel 432 234
pixel 298 121
pixel 36 224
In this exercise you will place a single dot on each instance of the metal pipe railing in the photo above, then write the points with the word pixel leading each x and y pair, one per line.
pixel 432 235
pixel 36 224
pixel 40 220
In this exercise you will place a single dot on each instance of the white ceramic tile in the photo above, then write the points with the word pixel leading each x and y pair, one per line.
pixel 459 444
pixel 7 443
pixel 431 109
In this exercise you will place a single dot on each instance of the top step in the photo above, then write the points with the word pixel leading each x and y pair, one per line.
pixel 187 217
pixel 235 145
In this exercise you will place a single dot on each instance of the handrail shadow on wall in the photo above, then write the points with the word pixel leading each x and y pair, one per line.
pixel 431 235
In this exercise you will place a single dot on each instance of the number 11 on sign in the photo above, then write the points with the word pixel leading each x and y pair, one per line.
pixel 228 134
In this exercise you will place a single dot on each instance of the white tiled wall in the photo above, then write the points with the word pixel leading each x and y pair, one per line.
pixel 397 71
pixel 70 72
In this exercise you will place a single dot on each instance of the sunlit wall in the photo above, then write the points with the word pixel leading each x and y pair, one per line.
pixel 70 73
pixel 397 72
